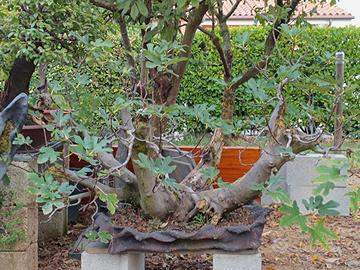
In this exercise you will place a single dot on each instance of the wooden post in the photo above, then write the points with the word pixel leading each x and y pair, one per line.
pixel 338 125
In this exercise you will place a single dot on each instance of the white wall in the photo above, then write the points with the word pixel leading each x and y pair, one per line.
pixel 352 6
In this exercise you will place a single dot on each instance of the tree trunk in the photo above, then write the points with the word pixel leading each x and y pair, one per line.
pixel 18 81
pixel 155 199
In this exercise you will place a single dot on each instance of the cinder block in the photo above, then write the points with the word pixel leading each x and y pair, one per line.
pixel 246 260
pixel 298 193
pixel 55 227
pixel 28 214
pixel 105 261
pixel 302 170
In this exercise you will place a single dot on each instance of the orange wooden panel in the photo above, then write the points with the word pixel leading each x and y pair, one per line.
pixel 235 161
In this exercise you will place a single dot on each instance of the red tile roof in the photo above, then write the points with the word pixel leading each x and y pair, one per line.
pixel 246 10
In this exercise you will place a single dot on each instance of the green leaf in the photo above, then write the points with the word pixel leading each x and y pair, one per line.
pixel 223 184
pixel 5 180
pixel 279 195
pixel 292 216
pixel 320 234
pixel 134 12
pixel 111 201
pixel 21 140
pixel 324 188
pixel 66 188
pixel 91 235
pixel 104 237
pixel 47 208
pixel 142 8
pixel 47 154
pixel 354 200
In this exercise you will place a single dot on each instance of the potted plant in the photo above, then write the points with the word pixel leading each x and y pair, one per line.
pixel 140 115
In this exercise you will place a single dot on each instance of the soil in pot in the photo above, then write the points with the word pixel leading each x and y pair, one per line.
pixel 128 216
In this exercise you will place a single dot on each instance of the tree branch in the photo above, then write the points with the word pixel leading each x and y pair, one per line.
pixel 216 41
pixel 270 42
pixel 196 17
pixel 127 45
pixel 232 10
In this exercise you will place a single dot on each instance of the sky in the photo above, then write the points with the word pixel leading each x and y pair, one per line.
pixel 352 6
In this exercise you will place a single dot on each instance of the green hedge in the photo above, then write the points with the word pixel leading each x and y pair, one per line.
pixel 315 46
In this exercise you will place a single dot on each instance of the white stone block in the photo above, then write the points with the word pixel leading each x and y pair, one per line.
pixel 105 261
pixel 302 170
pixel 245 260
pixel 298 193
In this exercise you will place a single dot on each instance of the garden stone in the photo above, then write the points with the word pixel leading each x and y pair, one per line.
pixel 245 260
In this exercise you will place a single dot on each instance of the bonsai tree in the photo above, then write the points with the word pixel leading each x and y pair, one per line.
pixel 154 41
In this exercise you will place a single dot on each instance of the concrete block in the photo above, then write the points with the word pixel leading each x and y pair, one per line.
pixel 105 261
pixel 298 193
pixel 302 170
pixel 55 227
pixel 246 260
pixel 19 182
pixel 23 260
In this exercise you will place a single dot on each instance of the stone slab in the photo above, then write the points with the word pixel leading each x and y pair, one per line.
pixel 298 193
pixel 24 260
pixel 105 261
pixel 247 260
pixel 302 170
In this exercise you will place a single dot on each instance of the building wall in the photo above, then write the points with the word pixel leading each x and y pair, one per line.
pixel 320 22
pixel 353 6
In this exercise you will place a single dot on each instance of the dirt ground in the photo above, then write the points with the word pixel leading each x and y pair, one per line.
pixel 282 248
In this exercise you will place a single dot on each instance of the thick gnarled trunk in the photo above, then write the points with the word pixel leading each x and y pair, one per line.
pixel 155 200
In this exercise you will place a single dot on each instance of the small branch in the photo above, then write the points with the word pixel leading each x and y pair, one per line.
pixel 232 10
pixel 270 43
pixel 80 196
pixel 216 41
